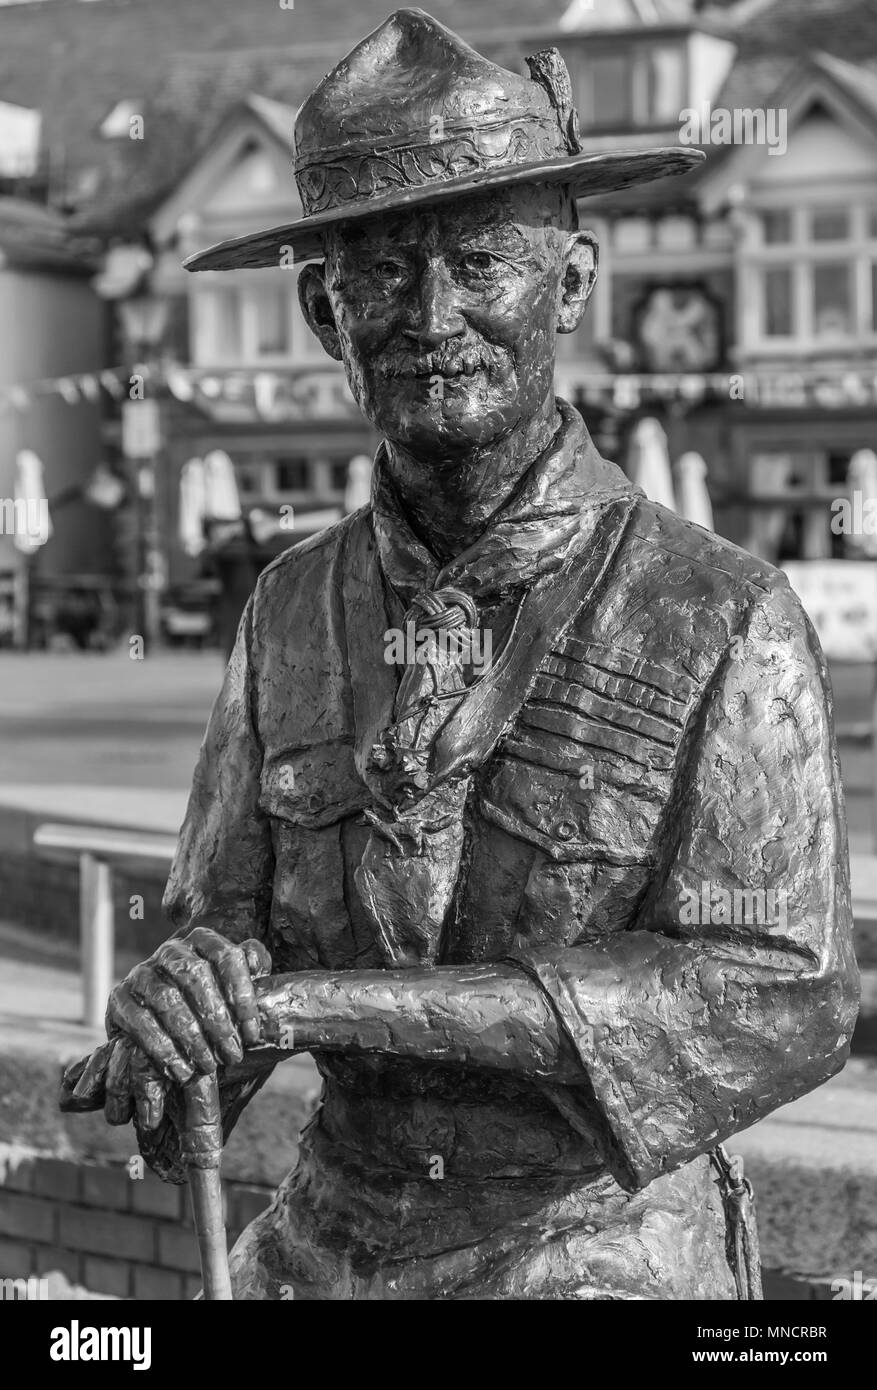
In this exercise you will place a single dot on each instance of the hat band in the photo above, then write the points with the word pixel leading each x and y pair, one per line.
pixel 335 182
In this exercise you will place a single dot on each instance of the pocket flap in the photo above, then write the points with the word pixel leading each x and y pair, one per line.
pixel 313 787
pixel 572 817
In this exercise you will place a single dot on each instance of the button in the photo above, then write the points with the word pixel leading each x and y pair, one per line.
pixel 566 830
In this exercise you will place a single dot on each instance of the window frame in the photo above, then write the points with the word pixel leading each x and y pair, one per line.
pixel 801 254
pixel 303 348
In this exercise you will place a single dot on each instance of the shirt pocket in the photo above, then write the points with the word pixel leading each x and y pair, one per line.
pixel 314 798
pixel 597 807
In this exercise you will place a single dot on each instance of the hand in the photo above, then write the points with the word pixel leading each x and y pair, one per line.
pixel 117 1078
pixel 189 1008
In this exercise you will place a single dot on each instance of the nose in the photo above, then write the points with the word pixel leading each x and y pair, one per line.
pixel 437 316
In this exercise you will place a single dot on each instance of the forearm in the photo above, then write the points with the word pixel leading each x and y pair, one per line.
pixel 491 1016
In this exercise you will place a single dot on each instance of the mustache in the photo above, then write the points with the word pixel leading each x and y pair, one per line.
pixel 451 359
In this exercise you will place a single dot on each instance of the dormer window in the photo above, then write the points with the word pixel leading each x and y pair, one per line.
pixel 19 141
pixel 633 86
pixel 117 124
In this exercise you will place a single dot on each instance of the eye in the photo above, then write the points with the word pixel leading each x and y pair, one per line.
pixel 477 262
pixel 387 271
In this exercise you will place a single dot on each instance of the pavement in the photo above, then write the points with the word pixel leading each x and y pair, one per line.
pixel 124 734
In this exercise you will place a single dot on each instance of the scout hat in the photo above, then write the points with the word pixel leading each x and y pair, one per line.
pixel 414 116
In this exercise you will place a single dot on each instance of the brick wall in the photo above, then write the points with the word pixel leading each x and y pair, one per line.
pixel 114 1234
pixel 133 1237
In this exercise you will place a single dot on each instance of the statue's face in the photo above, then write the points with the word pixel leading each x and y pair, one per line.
pixel 446 318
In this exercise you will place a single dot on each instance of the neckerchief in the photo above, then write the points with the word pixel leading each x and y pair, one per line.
pixel 536 551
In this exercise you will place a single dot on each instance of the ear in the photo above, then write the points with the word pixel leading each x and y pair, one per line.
pixel 317 308
pixel 580 261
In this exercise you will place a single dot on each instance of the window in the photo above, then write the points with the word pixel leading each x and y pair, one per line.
pixel 292 474
pixel 811 276
pixel 244 323
pixel 832 301
pixel 604 92
pixel 665 78
pixel 776 226
pixel 641 85
pixel 790 517
pixel 828 225
pixel 228 325
pixel 778 302
pixel 251 479
pixel 339 476
pixel 612 94
pixel 271 322
pixel 118 123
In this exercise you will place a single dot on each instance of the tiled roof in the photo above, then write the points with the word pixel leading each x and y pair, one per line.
pixel 846 28
pixel 75 61
pixel 860 80
pixel 190 61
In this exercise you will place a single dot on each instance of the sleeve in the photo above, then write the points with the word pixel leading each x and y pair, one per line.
pixel 223 870
pixel 736 990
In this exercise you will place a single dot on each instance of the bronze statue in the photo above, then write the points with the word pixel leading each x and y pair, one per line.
pixel 519 807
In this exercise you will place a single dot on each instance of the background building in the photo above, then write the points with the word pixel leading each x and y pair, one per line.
pixel 737 305
pixel 51 327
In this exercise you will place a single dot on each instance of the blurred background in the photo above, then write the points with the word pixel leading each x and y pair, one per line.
pixel 163 436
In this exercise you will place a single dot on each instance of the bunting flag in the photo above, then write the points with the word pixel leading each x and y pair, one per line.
pixel 67 390
pixel 317 391
pixel 179 383
pixel 90 387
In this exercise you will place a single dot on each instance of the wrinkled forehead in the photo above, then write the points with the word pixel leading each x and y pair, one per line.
pixel 507 217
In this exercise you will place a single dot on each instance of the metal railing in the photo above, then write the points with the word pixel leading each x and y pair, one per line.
pixel 98 848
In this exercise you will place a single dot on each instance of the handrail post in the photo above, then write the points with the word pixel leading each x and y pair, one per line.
pixel 96 935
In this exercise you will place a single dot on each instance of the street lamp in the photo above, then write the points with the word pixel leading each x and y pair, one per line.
pixel 143 316
pixel 144 319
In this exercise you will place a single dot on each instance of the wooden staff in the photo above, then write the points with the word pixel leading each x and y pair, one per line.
pixel 202 1154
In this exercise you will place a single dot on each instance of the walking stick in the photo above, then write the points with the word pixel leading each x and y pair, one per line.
pixel 202 1154
pixel 82 1090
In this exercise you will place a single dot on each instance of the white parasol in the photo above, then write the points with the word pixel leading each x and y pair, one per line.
pixel 692 492
pixel 222 501
pixel 862 477
pixel 359 483
pixel 33 525
pixel 648 462
pixel 193 496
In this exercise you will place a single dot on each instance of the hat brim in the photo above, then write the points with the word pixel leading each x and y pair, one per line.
pixel 586 175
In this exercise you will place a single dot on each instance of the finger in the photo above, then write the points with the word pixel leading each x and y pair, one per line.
pixel 196 981
pixel 119 1106
pixel 149 1090
pixel 91 1083
pixel 258 958
pixel 230 965
pixel 167 1004
pixel 126 1014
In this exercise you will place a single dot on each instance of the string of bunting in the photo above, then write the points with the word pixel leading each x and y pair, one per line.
pixel 267 391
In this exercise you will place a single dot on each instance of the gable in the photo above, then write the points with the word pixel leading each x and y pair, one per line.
pixel 257 180
pixel 242 181
pixel 820 150
pixel 817 134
